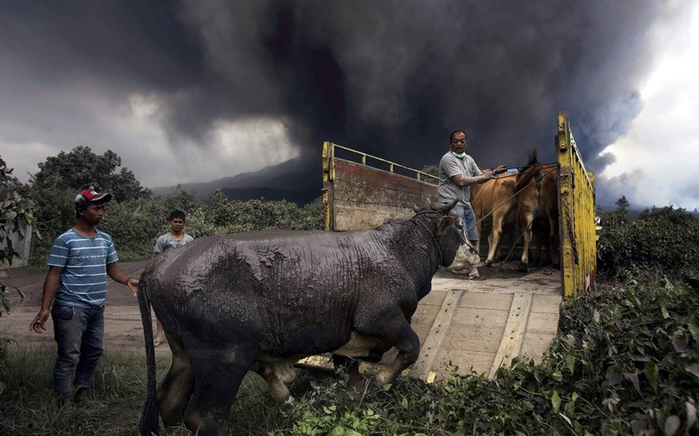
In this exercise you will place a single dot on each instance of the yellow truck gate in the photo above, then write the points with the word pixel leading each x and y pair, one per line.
pixel 576 205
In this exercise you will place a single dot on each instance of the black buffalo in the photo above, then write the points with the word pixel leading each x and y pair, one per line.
pixel 263 300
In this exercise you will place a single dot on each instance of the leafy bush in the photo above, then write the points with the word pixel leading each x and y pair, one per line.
pixel 135 224
pixel 661 239
pixel 626 361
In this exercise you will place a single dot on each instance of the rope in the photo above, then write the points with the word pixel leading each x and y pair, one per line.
pixel 461 233
pixel 521 234
pixel 534 180
pixel 436 243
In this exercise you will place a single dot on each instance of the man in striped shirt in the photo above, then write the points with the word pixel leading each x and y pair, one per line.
pixel 76 287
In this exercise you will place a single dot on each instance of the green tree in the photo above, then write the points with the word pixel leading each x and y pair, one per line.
pixel 15 215
pixel 432 170
pixel 622 205
pixel 60 177
pixel 81 168
pixel 181 199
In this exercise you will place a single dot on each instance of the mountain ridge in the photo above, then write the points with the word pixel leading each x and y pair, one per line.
pixel 294 180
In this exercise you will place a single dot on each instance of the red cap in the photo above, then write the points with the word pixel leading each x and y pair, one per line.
pixel 90 195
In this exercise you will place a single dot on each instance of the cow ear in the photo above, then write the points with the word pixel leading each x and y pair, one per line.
pixel 444 224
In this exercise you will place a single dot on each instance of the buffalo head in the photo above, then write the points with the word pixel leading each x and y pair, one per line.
pixel 455 250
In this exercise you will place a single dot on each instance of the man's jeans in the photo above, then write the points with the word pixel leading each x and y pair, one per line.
pixel 469 218
pixel 78 333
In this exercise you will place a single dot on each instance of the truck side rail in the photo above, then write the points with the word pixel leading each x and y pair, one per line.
pixel 357 196
pixel 577 213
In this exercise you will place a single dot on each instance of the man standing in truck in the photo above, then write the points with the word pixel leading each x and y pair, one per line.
pixel 457 172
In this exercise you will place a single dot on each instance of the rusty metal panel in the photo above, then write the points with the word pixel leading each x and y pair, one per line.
pixel 577 213
pixel 359 197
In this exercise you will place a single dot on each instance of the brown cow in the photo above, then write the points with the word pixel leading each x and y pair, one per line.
pixel 537 199
pixel 495 202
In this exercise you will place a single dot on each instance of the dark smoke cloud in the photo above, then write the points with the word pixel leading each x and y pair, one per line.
pixel 390 78
pixel 394 77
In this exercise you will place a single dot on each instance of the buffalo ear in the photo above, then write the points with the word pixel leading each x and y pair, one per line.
pixel 445 208
pixel 444 224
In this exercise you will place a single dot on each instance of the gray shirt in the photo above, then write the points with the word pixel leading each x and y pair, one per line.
pixel 166 242
pixel 449 166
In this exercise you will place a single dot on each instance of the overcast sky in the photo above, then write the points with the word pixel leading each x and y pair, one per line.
pixel 196 91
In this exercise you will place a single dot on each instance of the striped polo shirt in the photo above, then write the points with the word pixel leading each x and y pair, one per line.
pixel 84 261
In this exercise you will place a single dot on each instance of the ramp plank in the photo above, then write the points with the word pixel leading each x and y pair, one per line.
pixel 511 342
pixel 440 328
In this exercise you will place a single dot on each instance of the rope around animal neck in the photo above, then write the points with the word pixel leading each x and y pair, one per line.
pixel 436 243
pixel 461 233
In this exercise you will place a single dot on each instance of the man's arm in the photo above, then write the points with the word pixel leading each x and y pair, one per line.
pixel 159 245
pixel 120 276
pixel 484 177
pixel 51 282
pixel 461 180
pixel 452 170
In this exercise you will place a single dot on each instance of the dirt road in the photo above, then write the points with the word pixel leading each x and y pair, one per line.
pixel 475 324
pixel 123 328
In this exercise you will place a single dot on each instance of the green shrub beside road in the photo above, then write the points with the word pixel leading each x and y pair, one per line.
pixel 664 240
pixel 136 223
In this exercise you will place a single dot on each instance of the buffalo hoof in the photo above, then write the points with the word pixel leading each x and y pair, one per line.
pixel 523 267
pixel 489 263
pixel 363 384
pixel 473 272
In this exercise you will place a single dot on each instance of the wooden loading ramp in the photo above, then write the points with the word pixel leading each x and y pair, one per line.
pixel 479 325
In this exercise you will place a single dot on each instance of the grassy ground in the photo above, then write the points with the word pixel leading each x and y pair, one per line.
pixel 626 361
pixel 27 407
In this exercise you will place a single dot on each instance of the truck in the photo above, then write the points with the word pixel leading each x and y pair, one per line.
pixel 465 325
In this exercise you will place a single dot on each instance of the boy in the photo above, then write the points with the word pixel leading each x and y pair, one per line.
pixel 76 287
pixel 175 238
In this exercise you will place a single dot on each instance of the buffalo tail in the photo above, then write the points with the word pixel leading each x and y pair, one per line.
pixel 149 419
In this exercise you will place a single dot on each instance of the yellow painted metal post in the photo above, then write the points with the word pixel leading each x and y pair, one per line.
pixel 577 213
pixel 328 178
pixel 565 186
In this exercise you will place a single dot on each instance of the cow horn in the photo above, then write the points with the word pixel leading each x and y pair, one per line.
pixel 445 208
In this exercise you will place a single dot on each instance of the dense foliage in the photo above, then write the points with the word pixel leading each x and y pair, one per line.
pixel 135 224
pixel 626 361
pixel 660 239
pixel 15 215
pixel 134 218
